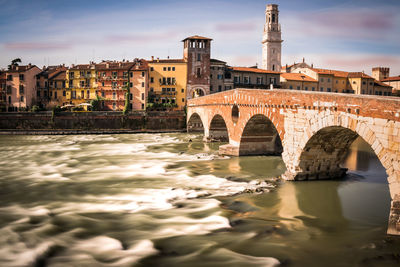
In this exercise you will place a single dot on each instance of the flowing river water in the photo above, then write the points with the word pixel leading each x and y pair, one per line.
pixel 161 200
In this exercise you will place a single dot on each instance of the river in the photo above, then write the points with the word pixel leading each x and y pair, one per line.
pixel 161 200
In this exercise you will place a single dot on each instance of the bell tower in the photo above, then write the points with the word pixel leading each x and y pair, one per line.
pixel 272 40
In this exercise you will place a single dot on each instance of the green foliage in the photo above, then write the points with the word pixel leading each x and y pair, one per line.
pixel 14 63
pixel 36 108
pixel 161 106
pixel 126 108
pixel 96 103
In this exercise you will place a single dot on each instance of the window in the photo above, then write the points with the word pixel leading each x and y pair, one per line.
pixel 236 79
pixel 328 89
pixel 273 18
pixel 64 93
pixel 103 74
pixel 130 96
pixel 219 88
pixel 313 89
pixel 102 84
pixel 71 75
pixel 336 81
pixel 114 95
pixel 21 77
pixel 142 106
pixel 198 57
pixel 82 73
pixel 103 94
pixel 354 82
pixel 131 74
pixel 322 89
pixel 363 92
pixel 364 83
pixel 22 98
pixel 298 87
pixel 198 72
pixel 220 77
pixel 151 79
pixel 9 77
pixel 55 95
pixel 142 96
pixel 273 67
pixel 114 85
pixel 290 87
pixel 151 89
pixel 165 69
pixel 272 81
pixel 151 69
pixel 63 84
pixel 259 80
pixel 183 90
pixel 211 88
pixel 142 73
pixel 370 83
pixel 183 100
pixel 322 80
pixel 173 68
pixel 21 89
pixel 82 94
pixel 246 80
pixel 169 68
pixel 130 85
pixel 9 99
pixel 82 84
pixel 143 84
pixel 114 106
pixel 329 80
pixel 114 75
pixel 125 74
pixel 88 94
pixel 38 94
pixel 306 88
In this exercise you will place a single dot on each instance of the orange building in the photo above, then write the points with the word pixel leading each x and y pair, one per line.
pixel 115 79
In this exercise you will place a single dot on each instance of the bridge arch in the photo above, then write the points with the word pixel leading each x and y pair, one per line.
pixel 195 124
pixel 218 130
pixel 260 137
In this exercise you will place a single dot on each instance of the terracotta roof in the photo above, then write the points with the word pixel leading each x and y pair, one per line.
pixel 297 77
pixel 213 60
pixel 376 82
pixel 391 79
pixel 56 72
pixel 359 75
pixel 21 68
pixel 82 67
pixel 114 65
pixel 336 73
pixel 59 75
pixel 196 37
pixel 244 69
pixel 167 61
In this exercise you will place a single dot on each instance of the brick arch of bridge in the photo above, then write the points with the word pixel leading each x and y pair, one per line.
pixel 345 128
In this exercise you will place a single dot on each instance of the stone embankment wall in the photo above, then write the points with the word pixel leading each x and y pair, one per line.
pixel 92 122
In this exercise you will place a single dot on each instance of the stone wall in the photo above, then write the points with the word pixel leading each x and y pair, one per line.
pixel 93 121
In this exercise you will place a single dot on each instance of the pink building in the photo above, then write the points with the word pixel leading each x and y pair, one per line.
pixel 21 87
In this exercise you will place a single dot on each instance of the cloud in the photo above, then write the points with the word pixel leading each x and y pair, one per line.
pixel 32 46
pixel 237 26
pixel 141 38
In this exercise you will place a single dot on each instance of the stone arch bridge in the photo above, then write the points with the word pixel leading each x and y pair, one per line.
pixel 311 130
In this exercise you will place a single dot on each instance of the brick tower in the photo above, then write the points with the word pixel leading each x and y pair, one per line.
pixel 272 40
pixel 197 52
pixel 380 73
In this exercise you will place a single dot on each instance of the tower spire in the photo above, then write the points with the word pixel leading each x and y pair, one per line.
pixel 272 40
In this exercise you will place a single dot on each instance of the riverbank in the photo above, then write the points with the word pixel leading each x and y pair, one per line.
pixel 69 123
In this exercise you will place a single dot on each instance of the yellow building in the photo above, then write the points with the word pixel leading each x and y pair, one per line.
pixel 81 84
pixel 361 83
pixel 57 88
pixel 167 82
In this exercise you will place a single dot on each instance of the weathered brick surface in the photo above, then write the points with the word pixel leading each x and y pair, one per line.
pixel 315 128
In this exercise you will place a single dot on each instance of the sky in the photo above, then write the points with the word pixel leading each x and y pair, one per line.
pixel 345 35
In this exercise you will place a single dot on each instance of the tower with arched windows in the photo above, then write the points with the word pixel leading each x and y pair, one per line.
pixel 196 52
pixel 272 40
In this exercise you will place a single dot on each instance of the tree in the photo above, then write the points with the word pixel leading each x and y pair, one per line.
pixel 14 63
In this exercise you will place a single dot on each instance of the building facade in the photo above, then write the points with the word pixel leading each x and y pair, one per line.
pixel 81 84
pixel 46 96
pixel 298 81
pixel 272 40
pixel 167 82
pixel 382 75
pixel 3 78
pixel 197 53
pixel 21 87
